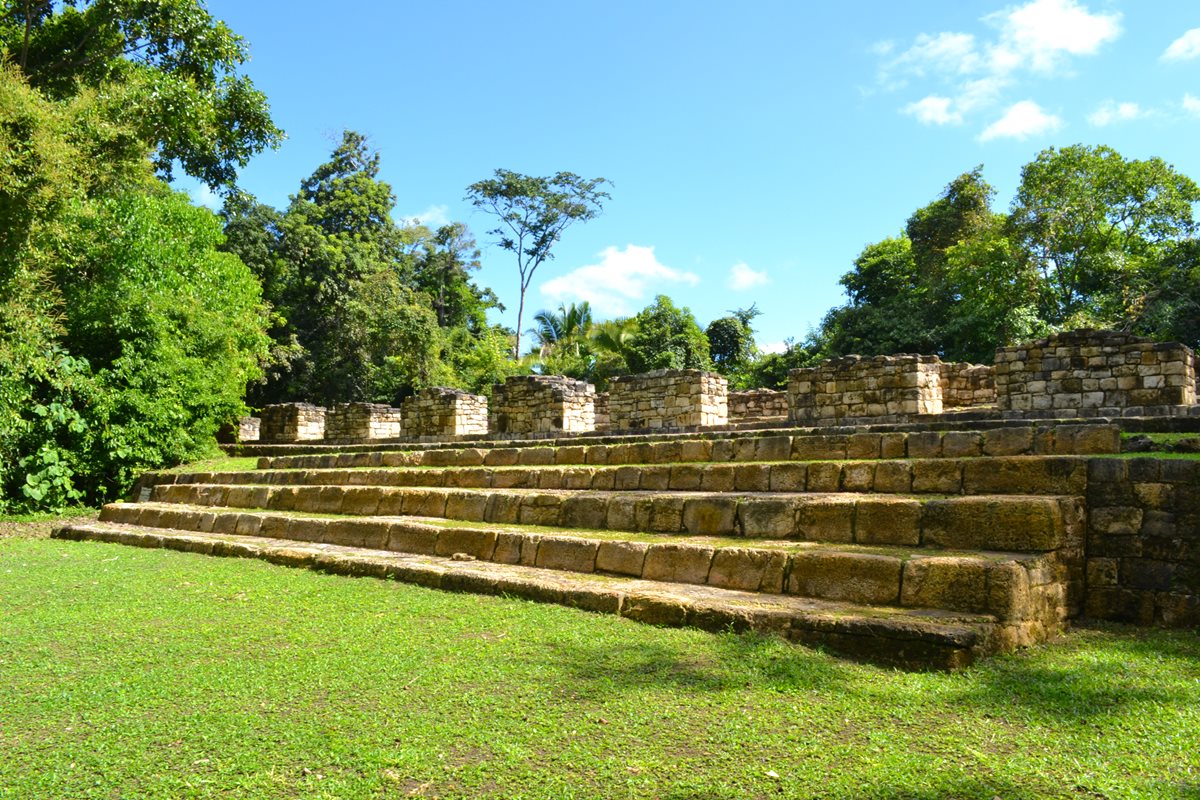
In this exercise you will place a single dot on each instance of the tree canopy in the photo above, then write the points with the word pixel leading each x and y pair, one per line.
pixel 1091 239
pixel 532 213
pixel 168 68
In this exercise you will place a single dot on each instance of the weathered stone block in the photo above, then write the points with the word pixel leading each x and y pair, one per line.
pixel 563 553
pixel 677 563
pixel 952 583
pixel 710 516
pixel 880 520
pixel 622 558
pixel 851 577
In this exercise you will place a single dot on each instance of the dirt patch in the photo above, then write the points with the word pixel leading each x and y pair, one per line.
pixel 37 529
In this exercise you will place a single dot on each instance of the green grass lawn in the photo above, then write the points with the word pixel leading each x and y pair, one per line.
pixel 154 674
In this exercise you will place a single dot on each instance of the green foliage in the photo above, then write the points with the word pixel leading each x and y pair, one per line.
pixel 170 68
pixel 126 337
pixel 362 307
pixel 1095 225
pixel 569 342
pixel 731 345
pixel 770 371
pixel 1093 239
pixel 667 337
pixel 532 213
pixel 888 308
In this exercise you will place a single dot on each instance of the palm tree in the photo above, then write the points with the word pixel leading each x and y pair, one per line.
pixel 566 327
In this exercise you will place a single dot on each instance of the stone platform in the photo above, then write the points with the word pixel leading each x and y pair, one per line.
pixel 917 545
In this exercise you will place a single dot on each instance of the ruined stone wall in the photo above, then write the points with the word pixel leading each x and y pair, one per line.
pixel 1144 541
pixel 1089 369
pixel 854 386
pixel 542 404
pixel 757 404
pixel 601 411
pixel 292 422
pixel 966 385
pixel 439 411
pixel 362 421
pixel 666 398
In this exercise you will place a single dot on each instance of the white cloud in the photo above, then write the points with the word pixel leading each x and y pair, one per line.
pixel 1191 104
pixel 934 110
pixel 1039 36
pixel 1111 111
pixel 883 48
pixel 1039 33
pixel 953 53
pixel 742 277
pixel 203 196
pixel 774 347
pixel 1020 121
pixel 432 217
pixel 620 277
pixel 1185 48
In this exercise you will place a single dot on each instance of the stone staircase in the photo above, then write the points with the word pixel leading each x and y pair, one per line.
pixel 920 548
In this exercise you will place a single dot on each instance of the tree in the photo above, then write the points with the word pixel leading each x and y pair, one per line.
pixel 667 338
pixel 443 268
pixel 960 213
pixel 335 236
pixel 167 67
pixel 567 326
pixel 533 213
pixel 1093 225
pixel 731 340
pixel 889 303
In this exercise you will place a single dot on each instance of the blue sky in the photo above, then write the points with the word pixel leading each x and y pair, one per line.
pixel 754 148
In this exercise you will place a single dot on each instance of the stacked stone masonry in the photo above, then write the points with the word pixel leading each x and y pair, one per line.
pixel 854 386
pixel 292 422
pixel 445 412
pixel 542 404
pixel 757 404
pixel 357 421
pixel 1144 541
pixel 248 429
pixel 668 399
pixel 966 385
pixel 1089 369
pixel 601 409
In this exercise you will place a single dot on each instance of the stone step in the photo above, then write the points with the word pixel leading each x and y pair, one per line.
pixel 1058 475
pixel 1027 591
pixel 1015 523
pixel 1060 439
pixel 925 639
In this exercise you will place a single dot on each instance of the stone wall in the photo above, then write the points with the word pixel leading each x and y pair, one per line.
pixel 1144 541
pixel 757 404
pixel 248 429
pixel 362 421
pixel 601 411
pixel 292 422
pixel 542 404
pixel 440 411
pixel 1089 369
pixel 854 386
pixel 966 385
pixel 681 398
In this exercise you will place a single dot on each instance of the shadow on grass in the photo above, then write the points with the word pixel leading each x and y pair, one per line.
pixel 1090 674
pixel 730 661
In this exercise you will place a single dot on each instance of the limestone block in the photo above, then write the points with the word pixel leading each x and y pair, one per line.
pixel 951 583
pixel 851 577
pixel 677 563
